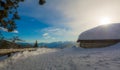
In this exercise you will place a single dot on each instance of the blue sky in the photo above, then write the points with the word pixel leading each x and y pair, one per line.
pixel 62 20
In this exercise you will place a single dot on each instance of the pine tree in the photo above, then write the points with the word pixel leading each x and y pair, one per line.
pixel 9 13
pixel 36 44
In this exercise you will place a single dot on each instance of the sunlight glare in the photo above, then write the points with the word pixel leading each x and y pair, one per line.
pixel 105 21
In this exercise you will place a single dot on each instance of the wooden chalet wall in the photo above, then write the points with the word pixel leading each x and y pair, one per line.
pixel 97 43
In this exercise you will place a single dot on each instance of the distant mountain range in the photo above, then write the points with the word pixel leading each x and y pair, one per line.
pixel 24 44
pixel 59 44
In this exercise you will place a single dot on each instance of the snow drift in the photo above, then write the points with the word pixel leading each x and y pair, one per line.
pixel 111 31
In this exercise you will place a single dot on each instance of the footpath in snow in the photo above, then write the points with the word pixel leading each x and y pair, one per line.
pixel 65 59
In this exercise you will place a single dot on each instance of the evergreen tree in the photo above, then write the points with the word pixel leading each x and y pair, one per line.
pixel 9 13
pixel 36 44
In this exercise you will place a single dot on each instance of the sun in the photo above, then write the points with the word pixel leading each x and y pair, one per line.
pixel 105 21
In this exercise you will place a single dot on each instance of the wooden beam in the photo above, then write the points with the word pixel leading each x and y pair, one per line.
pixel 9 51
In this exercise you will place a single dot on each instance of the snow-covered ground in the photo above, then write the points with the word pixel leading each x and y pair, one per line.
pixel 65 59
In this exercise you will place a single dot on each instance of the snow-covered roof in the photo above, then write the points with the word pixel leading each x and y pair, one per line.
pixel 111 31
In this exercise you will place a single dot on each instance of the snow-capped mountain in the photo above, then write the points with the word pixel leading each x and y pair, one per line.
pixel 59 44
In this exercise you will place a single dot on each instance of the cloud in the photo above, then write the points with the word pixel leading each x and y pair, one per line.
pixel 53 38
pixel 47 36
pixel 15 31
pixel 3 29
pixel 6 30
pixel 54 30
pixel 78 15
pixel 60 34
pixel 69 18
pixel 47 13
pixel 86 14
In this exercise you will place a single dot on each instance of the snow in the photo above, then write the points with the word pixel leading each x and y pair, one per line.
pixel 111 31
pixel 65 59
pixel 3 57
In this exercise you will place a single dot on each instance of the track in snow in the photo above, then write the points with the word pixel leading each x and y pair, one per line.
pixel 66 59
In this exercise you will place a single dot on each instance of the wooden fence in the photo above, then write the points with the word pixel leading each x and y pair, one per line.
pixel 9 51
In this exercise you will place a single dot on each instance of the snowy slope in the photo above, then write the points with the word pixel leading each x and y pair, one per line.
pixel 65 59
pixel 111 31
